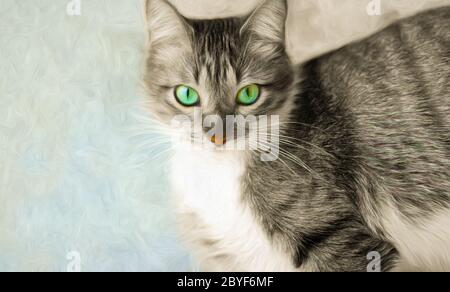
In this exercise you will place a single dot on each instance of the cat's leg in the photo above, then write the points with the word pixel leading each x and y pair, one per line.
pixel 424 245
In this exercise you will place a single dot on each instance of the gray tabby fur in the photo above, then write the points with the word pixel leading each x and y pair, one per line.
pixel 370 121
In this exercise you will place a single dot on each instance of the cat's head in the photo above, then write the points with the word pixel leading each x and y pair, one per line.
pixel 218 68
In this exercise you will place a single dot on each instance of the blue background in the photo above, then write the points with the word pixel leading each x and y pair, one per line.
pixel 78 169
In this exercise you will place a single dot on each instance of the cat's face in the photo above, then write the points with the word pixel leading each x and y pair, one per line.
pixel 218 68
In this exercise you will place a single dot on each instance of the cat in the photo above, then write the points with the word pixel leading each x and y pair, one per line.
pixel 364 143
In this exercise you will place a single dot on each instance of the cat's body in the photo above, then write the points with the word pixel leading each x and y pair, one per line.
pixel 364 161
pixel 215 219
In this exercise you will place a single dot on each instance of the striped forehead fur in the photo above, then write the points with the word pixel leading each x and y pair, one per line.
pixel 216 45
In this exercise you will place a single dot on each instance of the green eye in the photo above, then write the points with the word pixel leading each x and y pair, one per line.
pixel 186 95
pixel 248 95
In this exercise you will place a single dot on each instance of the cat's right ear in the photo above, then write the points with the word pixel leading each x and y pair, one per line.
pixel 268 21
pixel 165 24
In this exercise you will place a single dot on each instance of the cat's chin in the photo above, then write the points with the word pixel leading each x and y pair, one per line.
pixel 207 147
pixel 211 147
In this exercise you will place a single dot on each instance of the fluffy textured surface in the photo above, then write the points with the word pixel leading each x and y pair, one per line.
pixel 78 170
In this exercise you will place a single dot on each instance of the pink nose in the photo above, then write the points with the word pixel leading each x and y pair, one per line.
pixel 219 141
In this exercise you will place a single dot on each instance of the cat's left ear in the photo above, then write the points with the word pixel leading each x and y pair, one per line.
pixel 268 21
pixel 165 24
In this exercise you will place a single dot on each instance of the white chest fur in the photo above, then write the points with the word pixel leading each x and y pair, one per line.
pixel 215 220
pixel 423 246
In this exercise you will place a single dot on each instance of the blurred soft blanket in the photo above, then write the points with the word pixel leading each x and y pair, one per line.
pixel 75 181
pixel 79 188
